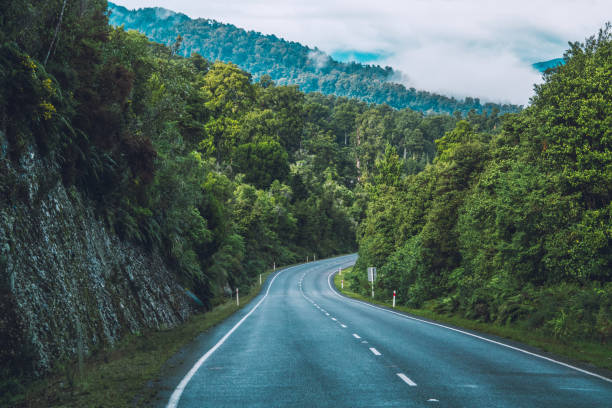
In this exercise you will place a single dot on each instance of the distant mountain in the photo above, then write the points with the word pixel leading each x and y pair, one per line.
pixel 288 62
pixel 553 63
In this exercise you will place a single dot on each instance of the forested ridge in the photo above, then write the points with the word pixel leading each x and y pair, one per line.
pixel 498 218
pixel 290 63
pixel 511 227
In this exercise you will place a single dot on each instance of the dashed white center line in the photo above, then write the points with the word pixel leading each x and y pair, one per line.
pixel 334 319
pixel 406 379
pixel 343 325
pixel 355 335
pixel 374 351
pixel 327 314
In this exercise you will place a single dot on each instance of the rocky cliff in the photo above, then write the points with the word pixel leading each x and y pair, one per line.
pixel 69 285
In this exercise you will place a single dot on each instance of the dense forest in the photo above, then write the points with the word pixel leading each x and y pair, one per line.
pixel 289 63
pixel 511 226
pixel 222 175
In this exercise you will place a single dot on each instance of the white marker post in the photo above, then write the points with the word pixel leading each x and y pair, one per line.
pixel 342 284
pixel 314 257
pixel 371 277
pixel 274 266
pixel 340 271
pixel 237 298
pixel 394 299
pixel 306 258
pixel 260 279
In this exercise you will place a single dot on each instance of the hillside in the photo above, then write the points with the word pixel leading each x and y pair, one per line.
pixel 288 63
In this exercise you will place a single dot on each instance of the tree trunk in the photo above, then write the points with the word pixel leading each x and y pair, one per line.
pixel 57 29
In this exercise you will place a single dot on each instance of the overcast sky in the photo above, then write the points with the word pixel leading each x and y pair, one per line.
pixel 481 48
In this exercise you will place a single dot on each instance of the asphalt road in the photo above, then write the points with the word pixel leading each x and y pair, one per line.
pixel 301 344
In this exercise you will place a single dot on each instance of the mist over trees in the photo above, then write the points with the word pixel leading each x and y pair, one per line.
pixel 289 63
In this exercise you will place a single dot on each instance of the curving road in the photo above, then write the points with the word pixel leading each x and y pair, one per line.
pixel 301 344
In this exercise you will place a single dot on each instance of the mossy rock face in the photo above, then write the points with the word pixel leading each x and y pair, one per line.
pixel 68 285
pixel 15 356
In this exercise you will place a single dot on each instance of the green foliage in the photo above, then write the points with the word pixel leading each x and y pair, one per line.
pixel 261 163
pixel 389 169
pixel 514 227
pixel 227 90
pixel 575 130
pixel 29 102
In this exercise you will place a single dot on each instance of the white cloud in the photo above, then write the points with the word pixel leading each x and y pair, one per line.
pixel 461 47
pixel 320 58
pixel 458 72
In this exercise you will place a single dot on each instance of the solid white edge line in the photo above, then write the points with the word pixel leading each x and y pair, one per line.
pixel 601 377
pixel 374 351
pixel 178 391
pixel 406 379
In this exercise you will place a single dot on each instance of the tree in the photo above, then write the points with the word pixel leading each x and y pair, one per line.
pixel 572 124
pixel 388 169
pixel 227 90
pixel 261 162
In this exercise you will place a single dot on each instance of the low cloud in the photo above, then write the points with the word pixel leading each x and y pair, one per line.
pixel 319 58
pixel 163 14
pixel 459 47
pixel 452 71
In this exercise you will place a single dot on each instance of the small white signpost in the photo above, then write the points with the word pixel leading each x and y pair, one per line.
pixel 372 277
pixel 394 299
pixel 371 274
pixel 237 298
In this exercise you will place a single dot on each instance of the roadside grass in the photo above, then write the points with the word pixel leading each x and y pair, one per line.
pixel 122 377
pixel 594 354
